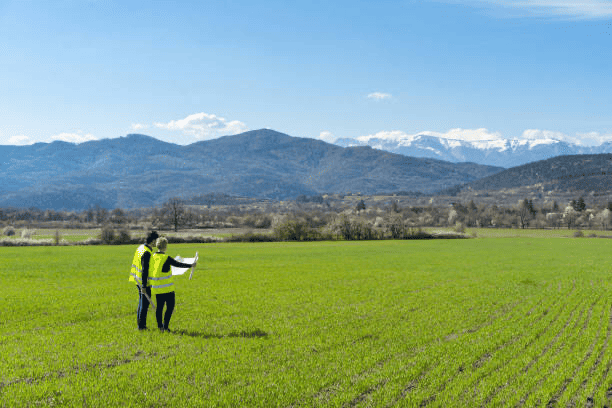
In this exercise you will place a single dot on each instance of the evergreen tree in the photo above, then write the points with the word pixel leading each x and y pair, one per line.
pixel 360 205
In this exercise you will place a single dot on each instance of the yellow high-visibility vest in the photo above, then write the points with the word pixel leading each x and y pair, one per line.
pixel 136 271
pixel 161 282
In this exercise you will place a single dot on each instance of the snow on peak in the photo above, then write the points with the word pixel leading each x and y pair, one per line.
pixel 392 136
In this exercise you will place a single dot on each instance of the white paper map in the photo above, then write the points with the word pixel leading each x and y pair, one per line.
pixel 180 271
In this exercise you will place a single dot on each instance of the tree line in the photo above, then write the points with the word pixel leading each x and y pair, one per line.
pixel 305 215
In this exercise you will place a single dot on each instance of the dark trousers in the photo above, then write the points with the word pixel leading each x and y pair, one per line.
pixel 143 308
pixel 168 300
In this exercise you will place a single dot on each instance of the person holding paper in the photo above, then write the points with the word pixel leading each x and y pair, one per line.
pixel 162 284
pixel 139 275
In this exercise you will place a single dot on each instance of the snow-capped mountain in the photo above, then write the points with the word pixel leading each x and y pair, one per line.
pixel 496 152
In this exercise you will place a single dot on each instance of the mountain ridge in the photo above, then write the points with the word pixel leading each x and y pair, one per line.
pixel 583 174
pixel 494 152
pixel 141 171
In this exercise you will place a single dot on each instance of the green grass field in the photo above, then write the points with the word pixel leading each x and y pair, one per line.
pixel 465 323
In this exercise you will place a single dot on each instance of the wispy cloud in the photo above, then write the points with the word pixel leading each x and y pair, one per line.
pixel 20 140
pixel 74 137
pixel 379 96
pixel 573 9
pixel 204 126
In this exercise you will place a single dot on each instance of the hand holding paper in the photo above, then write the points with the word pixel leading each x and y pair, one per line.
pixel 179 271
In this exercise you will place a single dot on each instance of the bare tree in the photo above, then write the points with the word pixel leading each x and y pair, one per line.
pixel 524 212
pixel 394 225
pixel 174 211
pixel 118 216
pixel 101 214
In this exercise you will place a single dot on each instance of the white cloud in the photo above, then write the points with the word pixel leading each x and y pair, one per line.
pixel 204 126
pixel 74 137
pixel 20 140
pixel 138 126
pixel 574 9
pixel 327 136
pixel 379 96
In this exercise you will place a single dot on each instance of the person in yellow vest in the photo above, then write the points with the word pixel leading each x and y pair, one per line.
pixel 139 274
pixel 162 283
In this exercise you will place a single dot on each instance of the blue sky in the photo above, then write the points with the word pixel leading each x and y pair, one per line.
pixel 185 71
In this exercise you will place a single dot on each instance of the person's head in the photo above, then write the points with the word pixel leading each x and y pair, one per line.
pixel 161 244
pixel 153 235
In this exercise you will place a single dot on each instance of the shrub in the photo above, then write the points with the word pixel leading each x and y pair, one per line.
pixel 258 221
pixel 294 230
pixel 355 229
pixel 459 227
pixel 8 231
pixel 123 237
pixel 578 234
pixel 263 222
pixel 107 235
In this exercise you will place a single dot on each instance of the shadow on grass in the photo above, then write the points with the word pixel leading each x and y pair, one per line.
pixel 256 333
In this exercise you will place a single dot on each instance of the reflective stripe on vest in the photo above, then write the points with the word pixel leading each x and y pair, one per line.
pixel 136 278
pixel 136 271
pixel 161 277
pixel 161 282
pixel 157 287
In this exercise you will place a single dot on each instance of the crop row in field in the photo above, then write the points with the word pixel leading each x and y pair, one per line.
pixel 494 322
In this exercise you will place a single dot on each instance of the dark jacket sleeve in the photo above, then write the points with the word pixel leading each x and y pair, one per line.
pixel 146 257
pixel 173 262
